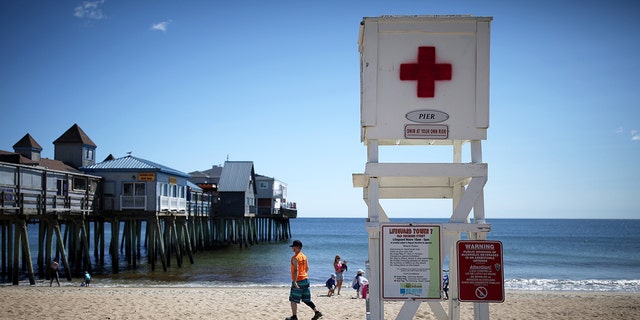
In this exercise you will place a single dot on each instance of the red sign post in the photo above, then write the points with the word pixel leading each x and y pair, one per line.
pixel 480 272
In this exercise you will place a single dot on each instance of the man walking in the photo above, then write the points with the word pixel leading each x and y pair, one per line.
pixel 300 282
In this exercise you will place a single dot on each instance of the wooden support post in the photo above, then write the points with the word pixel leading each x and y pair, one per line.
pixel 131 245
pixel 48 256
pixel 167 241
pixel 126 241
pixel 173 234
pixel 42 229
pixel 62 251
pixel 138 241
pixel 115 236
pixel 159 237
pixel 84 238
pixel 27 251
pixel 151 248
pixel 5 245
pixel 188 245
pixel 15 270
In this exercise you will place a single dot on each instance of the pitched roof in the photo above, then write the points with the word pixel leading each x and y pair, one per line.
pixel 194 186
pixel 235 176
pixel 16 158
pixel 130 163
pixel 29 142
pixel 209 176
pixel 57 165
pixel 74 135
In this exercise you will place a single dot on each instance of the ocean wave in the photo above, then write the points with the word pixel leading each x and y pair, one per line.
pixel 572 285
pixel 560 285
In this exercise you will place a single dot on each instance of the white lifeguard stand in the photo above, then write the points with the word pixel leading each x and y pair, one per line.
pixel 424 83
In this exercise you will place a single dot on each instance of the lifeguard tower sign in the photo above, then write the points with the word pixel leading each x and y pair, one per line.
pixel 425 79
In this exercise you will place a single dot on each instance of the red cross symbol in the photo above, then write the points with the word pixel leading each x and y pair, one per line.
pixel 426 72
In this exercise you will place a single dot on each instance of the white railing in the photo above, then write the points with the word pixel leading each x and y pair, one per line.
pixel 172 204
pixel 133 202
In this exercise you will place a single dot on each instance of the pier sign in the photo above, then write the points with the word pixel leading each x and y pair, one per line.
pixel 411 267
pixel 418 70
pixel 480 271
pixel 146 176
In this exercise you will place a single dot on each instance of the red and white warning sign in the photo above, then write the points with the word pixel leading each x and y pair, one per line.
pixel 480 271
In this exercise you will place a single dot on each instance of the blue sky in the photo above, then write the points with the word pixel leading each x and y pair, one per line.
pixel 190 83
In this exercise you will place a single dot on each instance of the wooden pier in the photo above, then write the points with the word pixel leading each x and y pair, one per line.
pixel 73 215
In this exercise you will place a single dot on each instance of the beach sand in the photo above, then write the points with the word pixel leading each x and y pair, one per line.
pixel 75 302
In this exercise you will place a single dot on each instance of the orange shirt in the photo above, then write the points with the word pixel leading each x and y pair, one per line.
pixel 303 267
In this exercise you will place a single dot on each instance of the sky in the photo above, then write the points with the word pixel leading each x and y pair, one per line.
pixel 190 84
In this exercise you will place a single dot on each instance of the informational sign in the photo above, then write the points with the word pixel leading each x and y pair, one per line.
pixel 411 267
pixel 426 131
pixel 481 276
pixel 146 176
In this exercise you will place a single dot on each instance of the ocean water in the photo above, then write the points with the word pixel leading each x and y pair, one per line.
pixel 538 254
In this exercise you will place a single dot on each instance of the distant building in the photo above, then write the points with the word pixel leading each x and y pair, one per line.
pixel 208 179
pixel 237 189
pixel 272 195
pixel 75 148
pixel 48 185
pixel 130 183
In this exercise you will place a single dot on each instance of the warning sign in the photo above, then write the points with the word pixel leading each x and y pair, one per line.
pixel 425 131
pixel 481 275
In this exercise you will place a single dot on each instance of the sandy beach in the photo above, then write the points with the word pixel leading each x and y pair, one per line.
pixel 179 303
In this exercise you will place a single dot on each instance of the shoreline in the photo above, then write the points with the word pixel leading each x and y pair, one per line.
pixel 97 302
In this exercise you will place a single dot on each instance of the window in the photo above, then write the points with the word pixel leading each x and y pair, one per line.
pixel 61 187
pixel 134 195
pixel 174 191
pixel 134 189
pixel 263 185
pixel 79 184
pixel 109 188
pixel 88 155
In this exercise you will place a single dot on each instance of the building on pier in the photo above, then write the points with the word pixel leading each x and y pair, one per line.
pixel 237 189
pixel 272 198
pixel 134 184
pixel 243 193
pixel 173 213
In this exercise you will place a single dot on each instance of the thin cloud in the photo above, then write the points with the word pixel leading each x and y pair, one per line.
pixel 160 26
pixel 635 134
pixel 90 10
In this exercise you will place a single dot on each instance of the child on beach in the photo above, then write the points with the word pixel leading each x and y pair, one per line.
pixel 445 286
pixel 331 284
pixel 360 284
pixel 87 279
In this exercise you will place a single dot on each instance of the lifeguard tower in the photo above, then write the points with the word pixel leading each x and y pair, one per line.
pixel 424 84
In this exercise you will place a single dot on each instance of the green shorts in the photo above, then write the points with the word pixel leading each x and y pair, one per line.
pixel 303 293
